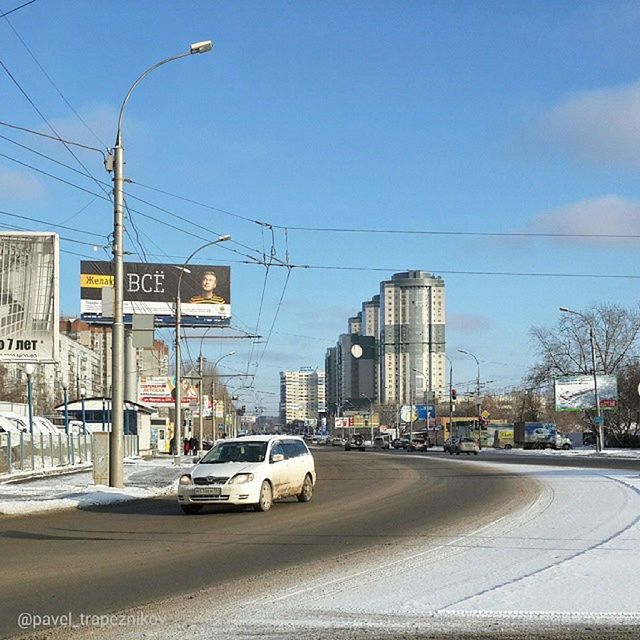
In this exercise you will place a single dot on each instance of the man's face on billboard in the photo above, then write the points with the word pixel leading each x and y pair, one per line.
pixel 209 282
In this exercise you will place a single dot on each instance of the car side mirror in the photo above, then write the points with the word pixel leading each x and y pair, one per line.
pixel 197 460
pixel 277 457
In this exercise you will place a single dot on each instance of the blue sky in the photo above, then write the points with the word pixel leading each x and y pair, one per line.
pixel 442 116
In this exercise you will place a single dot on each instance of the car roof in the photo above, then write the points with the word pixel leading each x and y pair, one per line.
pixel 262 438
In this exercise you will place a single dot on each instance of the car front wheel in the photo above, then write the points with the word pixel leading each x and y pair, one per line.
pixel 307 490
pixel 266 497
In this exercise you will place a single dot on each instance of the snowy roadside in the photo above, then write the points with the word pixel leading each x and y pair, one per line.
pixel 566 565
pixel 142 478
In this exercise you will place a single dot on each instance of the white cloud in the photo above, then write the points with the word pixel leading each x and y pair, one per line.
pixel 601 126
pixel 612 215
pixel 17 185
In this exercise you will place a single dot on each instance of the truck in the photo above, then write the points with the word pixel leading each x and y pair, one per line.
pixel 539 435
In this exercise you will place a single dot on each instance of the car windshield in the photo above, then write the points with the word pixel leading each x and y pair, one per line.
pixel 236 452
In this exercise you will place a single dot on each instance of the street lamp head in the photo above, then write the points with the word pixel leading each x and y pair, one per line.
pixel 29 369
pixel 201 47
pixel 83 392
pixel 463 351
pixel 565 309
pixel 224 238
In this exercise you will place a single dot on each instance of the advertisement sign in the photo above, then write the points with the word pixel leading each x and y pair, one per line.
pixel 576 393
pixel 344 422
pixel 151 289
pixel 29 297
pixel 157 391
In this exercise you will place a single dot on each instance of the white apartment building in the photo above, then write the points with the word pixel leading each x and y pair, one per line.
pixel 302 395
pixel 412 338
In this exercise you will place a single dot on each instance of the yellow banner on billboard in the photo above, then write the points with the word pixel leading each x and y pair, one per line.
pixel 94 281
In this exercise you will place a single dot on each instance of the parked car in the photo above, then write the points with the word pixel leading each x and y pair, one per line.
pixel 338 441
pixel 254 470
pixel 355 442
pixel 400 443
pixel 468 446
pixel 450 444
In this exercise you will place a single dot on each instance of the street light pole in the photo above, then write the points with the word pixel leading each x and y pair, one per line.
pixel 478 403
pixel 592 340
pixel 29 369
pixel 178 315
pixel 213 388
pixel 116 162
pixel 450 394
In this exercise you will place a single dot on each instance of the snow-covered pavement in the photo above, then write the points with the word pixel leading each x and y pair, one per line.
pixel 143 479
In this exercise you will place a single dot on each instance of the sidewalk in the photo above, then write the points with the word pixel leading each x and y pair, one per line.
pixel 142 479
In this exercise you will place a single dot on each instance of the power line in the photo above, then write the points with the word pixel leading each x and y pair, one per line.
pixel 33 104
pixel 50 79
pixel 56 138
pixel 4 15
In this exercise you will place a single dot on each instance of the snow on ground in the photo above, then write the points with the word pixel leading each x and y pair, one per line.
pixel 142 479
pixel 567 563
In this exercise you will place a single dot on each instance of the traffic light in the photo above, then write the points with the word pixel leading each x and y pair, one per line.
pixel 244 409
pixel 454 395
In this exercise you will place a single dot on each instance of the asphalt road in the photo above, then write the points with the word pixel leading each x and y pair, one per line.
pixel 113 557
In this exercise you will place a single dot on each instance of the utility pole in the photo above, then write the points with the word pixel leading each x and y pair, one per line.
pixel 201 404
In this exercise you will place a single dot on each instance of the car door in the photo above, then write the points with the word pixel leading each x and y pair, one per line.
pixel 295 451
pixel 279 471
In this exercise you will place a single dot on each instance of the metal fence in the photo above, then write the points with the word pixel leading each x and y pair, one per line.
pixel 18 452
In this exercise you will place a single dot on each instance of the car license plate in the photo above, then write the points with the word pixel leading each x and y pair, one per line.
pixel 208 491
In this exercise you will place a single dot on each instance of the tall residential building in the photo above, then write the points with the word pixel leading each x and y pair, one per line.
pixel 331 380
pixel 302 395
pixel 355 324
pixel 412 344
pixel 371 327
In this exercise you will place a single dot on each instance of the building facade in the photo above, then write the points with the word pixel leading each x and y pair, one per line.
pixel 412 338
pixel 302 395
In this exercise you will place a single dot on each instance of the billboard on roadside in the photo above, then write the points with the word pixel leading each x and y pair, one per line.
pixel 577 393
pixel 151 289
pixel 29 297
pixel 157 391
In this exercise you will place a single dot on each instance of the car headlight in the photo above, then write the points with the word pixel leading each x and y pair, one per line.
pixel 185 479
pixel 241 478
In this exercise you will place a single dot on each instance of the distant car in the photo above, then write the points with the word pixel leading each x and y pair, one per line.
pixel 418 444
pixel 338 441
pixel 400 443
pixel 252 471
pixel 450 445
pixel 355 442
pixel 382 442
pixel 468 446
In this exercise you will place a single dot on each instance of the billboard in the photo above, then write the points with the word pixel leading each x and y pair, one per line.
pixel 576 393
pixel 151 288
pixel 29 297
pixel 157 391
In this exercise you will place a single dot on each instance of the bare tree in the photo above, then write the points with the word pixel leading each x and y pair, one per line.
pixel 566 350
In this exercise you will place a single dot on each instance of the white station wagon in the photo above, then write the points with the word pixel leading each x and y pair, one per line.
pixel 253 470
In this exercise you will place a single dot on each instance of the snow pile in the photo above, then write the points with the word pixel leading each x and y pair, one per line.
pixel 143 479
